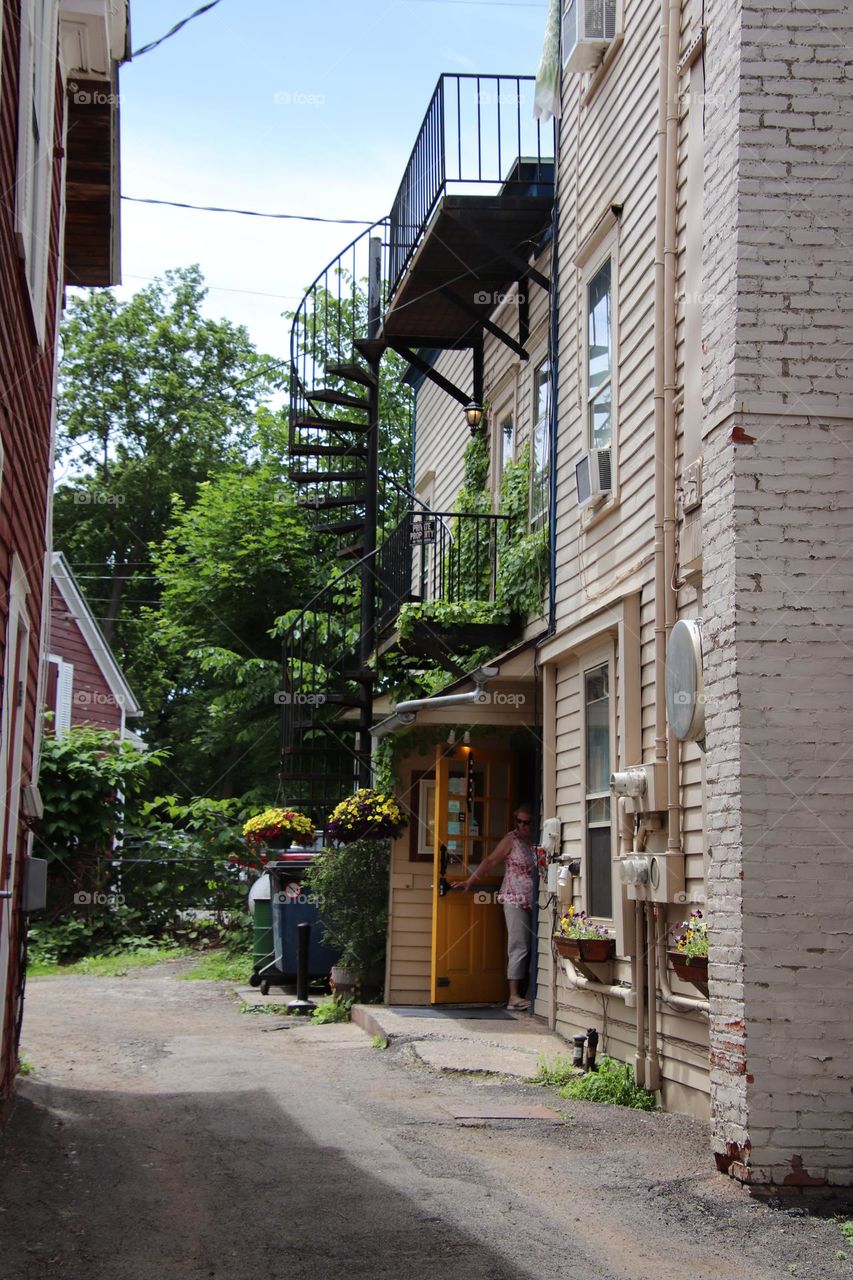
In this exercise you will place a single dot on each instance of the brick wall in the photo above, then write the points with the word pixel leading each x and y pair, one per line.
pixel 778 519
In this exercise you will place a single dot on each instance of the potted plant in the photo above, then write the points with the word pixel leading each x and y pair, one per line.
pixel 277 829
pixel 689 953
pixel 368 815
pixel 578 938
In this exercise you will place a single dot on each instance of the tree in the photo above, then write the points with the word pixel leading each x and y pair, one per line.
pixel 227 567
pixel 153 399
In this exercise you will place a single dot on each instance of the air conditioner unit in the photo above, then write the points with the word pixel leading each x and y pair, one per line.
pixel 594 477
pixel 589 26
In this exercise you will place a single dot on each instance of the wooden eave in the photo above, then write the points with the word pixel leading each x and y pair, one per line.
pixel 91 183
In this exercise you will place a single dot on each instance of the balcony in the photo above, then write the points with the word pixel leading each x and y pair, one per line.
pixel 441 558
pixel 477 193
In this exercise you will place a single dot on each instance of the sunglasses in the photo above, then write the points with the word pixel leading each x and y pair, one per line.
pixel 523 822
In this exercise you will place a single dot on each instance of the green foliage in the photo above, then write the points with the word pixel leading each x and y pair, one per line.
pixel 613 1083
pixel 25 1067
pixel 522 555
pixel 442 613
pixel 153 398
pixel 352 883
pixel 220 966
pixel 379 1042
pixel 846 1229
pixel 556 1071
pixel 276 1010
pixel 106 966
pixel 83 776
pixel 333 1009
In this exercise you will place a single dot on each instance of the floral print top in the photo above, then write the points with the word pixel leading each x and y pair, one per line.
pixel 517 885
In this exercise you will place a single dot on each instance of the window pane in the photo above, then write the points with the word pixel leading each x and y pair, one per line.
pixel 541 391
pixel 600 900
pixel 507 442
pixel 598 811
pixel 599 327
pixel 600 421
pixel 597 732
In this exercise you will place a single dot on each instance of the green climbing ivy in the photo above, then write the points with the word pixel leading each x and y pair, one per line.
pixel 522 554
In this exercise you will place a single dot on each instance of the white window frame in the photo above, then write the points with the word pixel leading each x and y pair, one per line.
pixel 590 394
pixel 36 110
pixel 506 407
pixel 538 518
pixel 589 662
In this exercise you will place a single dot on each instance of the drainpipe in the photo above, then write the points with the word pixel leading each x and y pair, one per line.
pixel 689 1004
pixel 640 1055
pixel 579 983
pixel 404 713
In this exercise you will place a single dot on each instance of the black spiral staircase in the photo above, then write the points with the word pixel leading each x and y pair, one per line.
pixel 401 285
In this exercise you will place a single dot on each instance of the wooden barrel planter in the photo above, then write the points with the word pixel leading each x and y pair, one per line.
pixel 592 950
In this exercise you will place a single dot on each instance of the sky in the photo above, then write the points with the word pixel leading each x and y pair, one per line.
pixel 290 106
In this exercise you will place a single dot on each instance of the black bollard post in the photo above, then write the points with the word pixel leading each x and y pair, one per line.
pixel 577 1050
pixel 591 1048
pixel 303 941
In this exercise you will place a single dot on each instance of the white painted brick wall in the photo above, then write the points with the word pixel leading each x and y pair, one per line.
pixel 778 588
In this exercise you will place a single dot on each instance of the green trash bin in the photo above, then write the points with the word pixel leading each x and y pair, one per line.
pixel 264 970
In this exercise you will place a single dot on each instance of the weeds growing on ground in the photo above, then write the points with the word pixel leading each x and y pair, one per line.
pixel 107 966
pixel 332 1009
pixel 279 1010
pixel 25 1067
pixel 613 1083
pixel 220 966
pixel 379 1042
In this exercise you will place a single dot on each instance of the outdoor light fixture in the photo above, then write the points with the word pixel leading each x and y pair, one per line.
pixel 474 415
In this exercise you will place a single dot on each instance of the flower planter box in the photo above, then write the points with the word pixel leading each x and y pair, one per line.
pixel 690 968
pixel 592 950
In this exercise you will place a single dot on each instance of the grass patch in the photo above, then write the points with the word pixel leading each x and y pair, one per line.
pixel 846 1229
pixel 332 1009
pixel 25 1067
pixel 556 1071
pixel 107 966
pixel 219 966
pixel 379 1042
pixel 278 1010
pixel 613 1083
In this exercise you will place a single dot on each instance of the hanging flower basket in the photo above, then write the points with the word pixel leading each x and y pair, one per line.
pixel 278 829
pixel 690 968
pixel 592 950
pixel 368 815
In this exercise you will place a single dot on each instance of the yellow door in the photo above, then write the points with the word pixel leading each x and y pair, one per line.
pixel 474 795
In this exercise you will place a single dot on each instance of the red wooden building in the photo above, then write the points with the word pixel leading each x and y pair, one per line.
pixel 85 684
pixel 58 225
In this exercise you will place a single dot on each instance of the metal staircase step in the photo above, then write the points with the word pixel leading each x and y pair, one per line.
pixel 370 348
pixel 313 422
pixel 327 451
pixel 342 398
pixel 353 552
pixel 340 526
pixel 353 372
pixel 312 477
pixel 330 504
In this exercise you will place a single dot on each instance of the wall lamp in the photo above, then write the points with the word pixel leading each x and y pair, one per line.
pixel 474 412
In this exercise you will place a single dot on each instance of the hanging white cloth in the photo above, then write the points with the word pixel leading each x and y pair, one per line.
pixel 546 102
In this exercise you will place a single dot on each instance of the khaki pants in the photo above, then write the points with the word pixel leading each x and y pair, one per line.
pixel 518 941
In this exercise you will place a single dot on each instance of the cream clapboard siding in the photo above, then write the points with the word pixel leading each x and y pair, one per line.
pixel 608 157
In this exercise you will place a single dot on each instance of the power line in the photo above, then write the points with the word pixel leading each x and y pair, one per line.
pixel 250 213
pixel 146 48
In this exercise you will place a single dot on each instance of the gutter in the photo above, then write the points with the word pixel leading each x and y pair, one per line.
pixel 405 713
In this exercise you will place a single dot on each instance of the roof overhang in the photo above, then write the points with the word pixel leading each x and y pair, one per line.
pixel 92 634
pixel 471 252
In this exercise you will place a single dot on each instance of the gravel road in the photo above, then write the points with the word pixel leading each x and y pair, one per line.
pixel 166 1136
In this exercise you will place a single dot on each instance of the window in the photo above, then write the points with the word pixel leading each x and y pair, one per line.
pixel 38 77
pixel 503 444
pixel 540 445
pixel 597 787
pixel 599 359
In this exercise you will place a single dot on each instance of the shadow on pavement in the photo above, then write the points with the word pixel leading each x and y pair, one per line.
pixel 120 1186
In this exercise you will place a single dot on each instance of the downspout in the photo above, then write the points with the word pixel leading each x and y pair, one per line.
pixel 689 1004
pixel 580 983
pixel 405 712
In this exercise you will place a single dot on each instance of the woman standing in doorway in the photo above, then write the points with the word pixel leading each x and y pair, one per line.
pixel 516 895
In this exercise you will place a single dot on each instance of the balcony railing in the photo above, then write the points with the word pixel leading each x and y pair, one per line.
pixel 478 135
pixel 434 556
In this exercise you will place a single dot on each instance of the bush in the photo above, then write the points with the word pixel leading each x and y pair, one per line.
pixel 351 883
pixel 612 1083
